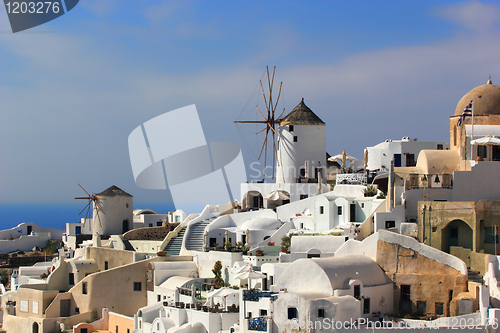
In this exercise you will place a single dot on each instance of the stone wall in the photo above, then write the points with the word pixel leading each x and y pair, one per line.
pixel 429 281
pixel 150 233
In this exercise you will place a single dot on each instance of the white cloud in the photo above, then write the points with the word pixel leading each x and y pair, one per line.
pixel 473 15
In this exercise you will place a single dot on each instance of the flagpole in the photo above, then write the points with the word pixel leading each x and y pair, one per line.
pixel 472 130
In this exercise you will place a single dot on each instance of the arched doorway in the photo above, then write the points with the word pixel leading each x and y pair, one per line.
pixel 125 226
pixel 252 200
pixel 35 327
pixel 456 233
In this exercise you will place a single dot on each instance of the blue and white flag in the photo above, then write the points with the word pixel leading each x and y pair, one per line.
pixel 467 113
pixel 20 231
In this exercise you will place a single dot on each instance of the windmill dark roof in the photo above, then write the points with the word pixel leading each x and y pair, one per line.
pixel 301 115
pixel 113 191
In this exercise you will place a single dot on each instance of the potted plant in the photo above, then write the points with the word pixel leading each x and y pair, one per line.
pixel 370 191
pixel 259 253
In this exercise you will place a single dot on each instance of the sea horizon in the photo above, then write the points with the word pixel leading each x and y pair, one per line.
pixel 56 215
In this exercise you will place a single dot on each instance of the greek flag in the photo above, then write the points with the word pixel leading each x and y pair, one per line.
pixel 467 113
pixel 20 231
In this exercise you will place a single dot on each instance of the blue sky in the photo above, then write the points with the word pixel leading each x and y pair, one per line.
pixel 73 89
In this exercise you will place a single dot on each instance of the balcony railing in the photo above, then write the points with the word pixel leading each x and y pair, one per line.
pixel 257 324
pixel 351 178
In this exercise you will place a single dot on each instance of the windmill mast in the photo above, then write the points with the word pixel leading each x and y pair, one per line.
pixel 270 120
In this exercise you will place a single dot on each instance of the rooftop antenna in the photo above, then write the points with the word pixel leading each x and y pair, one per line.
pixel 270 120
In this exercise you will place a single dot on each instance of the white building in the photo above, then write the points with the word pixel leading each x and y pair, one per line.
pixel 26 236
pixel 404 152
pixel 341 289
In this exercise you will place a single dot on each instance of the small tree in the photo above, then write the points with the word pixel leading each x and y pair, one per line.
pixel 286 242
pixel 217 270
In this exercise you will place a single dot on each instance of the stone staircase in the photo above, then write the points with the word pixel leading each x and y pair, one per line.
pixel 194 238
pixel 128 246
pixel 474 276
pixel 173 247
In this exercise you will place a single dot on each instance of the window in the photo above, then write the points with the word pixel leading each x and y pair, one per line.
pixel 137 286
pixel 77 311
pixel 71 279
pixel 24 306
pixel 362 205
pixel 339 210
pixel 151 225
pixel 159 223
pixel 390 224
pixel 292 313
pixel 294 138
pixel 321 209
pixel 366 306
pixel 126 205
pixel 357 291
pixel 481 151
pixel 405 292
pixel 263 312
pixel 83 330
pixel 106 265
pixel 290 128
pixel 158 298
pixel 116 328
pixel 439 309
pixel 439 147
pixel 434 229
pixel 321 313
pixel 84 288
pixel 489 235
pixel 303 196
pixel 421 307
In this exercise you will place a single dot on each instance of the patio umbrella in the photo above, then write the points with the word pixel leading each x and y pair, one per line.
pixel 244 268
pixel 487 140
pixel 342 157
pixel 277 195
pixel 249 275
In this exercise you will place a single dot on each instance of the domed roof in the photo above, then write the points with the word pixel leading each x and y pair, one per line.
pixel 301 115
pixel 486 100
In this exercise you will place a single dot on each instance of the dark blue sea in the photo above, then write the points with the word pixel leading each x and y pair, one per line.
pixel 54 215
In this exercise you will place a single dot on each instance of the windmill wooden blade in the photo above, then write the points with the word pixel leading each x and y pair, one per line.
pixel 270 120
pixel 85 206
pixel 274 132
pixel 84 190
pixel 263 145
pixel 261 113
